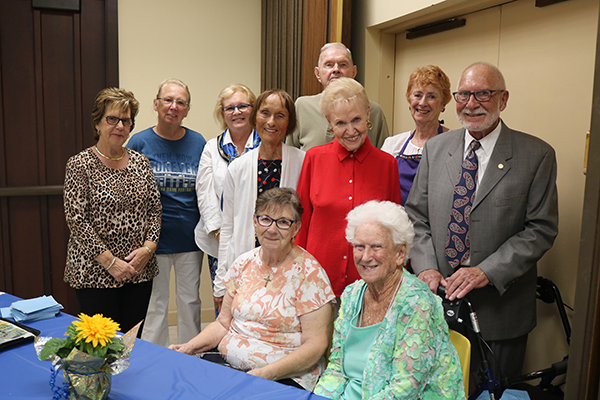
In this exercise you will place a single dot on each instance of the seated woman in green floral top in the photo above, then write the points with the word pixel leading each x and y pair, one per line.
pixel 390 340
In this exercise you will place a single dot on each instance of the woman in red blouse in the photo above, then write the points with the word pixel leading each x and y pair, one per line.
pixel 338 176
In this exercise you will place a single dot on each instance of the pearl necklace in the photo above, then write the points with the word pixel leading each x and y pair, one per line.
pixel 111 158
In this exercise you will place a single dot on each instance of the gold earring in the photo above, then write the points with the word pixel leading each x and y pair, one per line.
pixel 369 125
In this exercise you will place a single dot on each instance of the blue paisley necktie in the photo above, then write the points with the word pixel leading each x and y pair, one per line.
pixel 457 239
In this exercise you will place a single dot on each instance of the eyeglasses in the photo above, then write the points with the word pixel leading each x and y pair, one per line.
pixel 282 223
pixel 111 120
pixel 241 108
pixel 480 95
pixel 168 101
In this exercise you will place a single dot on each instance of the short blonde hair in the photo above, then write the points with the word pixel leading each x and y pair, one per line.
pixel 122 99
pixel 227 93
pixel 342 89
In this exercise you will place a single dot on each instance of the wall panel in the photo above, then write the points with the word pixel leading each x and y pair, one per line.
pixel 52 64
pixel 547 57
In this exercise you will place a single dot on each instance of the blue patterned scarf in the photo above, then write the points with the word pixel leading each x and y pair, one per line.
pixel 228 150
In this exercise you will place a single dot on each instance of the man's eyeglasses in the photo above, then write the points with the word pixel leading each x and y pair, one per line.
pixel 282 223
pixel 480 95
pixel 111 120
pixel 168 101
pixel 241 108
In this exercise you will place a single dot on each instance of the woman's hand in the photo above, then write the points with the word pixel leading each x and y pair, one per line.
pixel 185 348
pixel 122 270
pixel 118 268
pixel 211 336
pixel 261 373
pixel 218 303
pixel 139 257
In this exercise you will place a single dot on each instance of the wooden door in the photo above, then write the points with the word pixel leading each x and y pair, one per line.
pixel 52 64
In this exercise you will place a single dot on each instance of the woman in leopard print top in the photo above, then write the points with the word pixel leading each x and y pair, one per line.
pixel 113 211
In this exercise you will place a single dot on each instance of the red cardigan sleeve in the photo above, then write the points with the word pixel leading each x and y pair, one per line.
pixel 304 192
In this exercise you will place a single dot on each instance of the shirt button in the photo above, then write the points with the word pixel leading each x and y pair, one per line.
pixel 345 258
pixel 350 198
pixel 352 155
pixel 350 181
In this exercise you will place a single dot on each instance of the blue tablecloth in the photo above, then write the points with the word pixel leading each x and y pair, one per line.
pixel 155 373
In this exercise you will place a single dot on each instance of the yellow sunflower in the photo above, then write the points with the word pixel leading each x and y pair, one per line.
pixel 96 329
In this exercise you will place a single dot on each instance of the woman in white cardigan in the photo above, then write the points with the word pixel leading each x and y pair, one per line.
pixel 232 111
pixel 272 164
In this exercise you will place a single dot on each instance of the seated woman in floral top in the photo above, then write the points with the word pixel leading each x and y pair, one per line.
pixel 276 315
pixel 390 340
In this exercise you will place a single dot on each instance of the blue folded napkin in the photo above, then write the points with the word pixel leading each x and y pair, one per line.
pixel 35 309
pixel 5 311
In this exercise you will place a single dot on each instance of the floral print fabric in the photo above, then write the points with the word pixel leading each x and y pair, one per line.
pixel 267 304
pixel 412 356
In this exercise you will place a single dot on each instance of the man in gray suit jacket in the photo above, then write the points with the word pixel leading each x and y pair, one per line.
pixel 513 218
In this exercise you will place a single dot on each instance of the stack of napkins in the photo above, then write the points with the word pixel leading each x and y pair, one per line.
pixel 35 309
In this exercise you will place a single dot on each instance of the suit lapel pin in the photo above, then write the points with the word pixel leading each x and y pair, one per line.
pixel 501 166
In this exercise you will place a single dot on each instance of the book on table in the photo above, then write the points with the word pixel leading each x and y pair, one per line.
pixel 13 333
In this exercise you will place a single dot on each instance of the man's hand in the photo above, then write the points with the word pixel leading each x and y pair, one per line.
pixel 463 281
pixel 432 278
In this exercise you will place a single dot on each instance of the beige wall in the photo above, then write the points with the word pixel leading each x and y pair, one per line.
pixel 207 44
pixel 547 56
pixel 201 41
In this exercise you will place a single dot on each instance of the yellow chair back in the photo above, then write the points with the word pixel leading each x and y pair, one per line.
pixel 463 348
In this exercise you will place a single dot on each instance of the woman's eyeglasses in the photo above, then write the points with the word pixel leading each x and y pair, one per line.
pixel 112 120
pixel 167 101
pixel 241 108
pixel 282 223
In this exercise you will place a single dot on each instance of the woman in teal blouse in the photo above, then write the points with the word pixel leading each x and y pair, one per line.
pixel 390 340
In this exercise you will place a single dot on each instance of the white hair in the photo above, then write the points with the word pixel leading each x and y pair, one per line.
pixel 387 214
pixel 334 44
pixel 343 89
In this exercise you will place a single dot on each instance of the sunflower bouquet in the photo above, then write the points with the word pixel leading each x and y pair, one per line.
pixel 89 355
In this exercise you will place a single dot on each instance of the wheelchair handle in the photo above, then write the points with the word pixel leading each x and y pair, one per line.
pixel 441 291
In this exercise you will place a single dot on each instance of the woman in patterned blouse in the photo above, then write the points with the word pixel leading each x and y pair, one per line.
pixel 390 340
pixel 113 211
pixel 276 315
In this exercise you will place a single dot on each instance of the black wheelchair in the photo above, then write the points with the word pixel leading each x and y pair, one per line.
pixel 547 292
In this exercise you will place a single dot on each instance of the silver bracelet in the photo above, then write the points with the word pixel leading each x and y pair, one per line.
pixel 111 264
